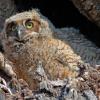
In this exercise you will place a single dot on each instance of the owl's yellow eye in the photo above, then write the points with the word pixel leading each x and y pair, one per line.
pixel 29 24
pixel 13 28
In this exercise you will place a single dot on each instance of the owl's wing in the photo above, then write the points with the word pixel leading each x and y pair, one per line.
pixel 88 51
pixel 67 57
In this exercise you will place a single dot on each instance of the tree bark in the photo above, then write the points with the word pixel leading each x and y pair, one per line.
pixel 7 8
pixel 89 8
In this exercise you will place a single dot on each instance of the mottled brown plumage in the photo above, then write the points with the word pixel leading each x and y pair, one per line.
pixel 28 41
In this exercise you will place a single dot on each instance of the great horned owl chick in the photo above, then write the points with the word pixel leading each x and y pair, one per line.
pixel 28 40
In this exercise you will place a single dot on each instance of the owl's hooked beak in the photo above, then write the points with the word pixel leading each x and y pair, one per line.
pixel 20 33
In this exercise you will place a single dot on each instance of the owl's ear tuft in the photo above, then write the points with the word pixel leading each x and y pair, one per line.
pixel 35 12
pixel 36 9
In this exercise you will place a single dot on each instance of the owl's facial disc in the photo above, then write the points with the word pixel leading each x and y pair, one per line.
pixel 22 29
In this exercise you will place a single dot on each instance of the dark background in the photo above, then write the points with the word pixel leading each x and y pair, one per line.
pixel 62 13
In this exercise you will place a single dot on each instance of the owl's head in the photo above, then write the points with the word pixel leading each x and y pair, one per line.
pixel 27 24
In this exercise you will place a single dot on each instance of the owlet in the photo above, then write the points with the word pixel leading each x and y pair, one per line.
pixel 28 41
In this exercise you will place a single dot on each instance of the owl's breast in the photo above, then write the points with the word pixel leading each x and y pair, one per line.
pixel 30 53
pixel 12 50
